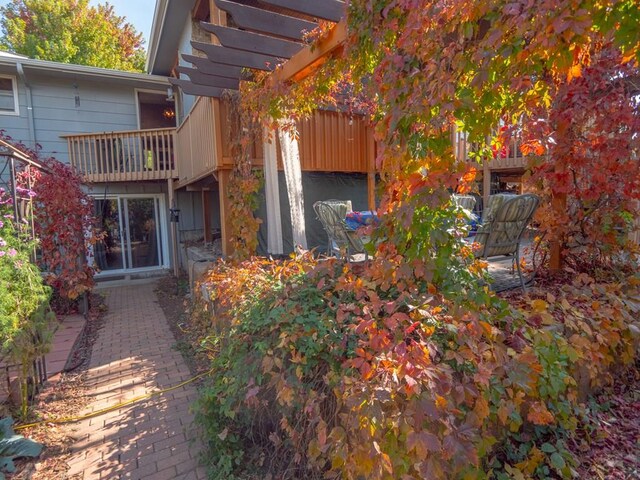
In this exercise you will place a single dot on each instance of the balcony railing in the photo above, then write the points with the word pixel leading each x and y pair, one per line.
pixel 507 158
pixel 124 156
pixel 197 141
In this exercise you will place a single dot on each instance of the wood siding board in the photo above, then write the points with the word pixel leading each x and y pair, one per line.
pixel 264 21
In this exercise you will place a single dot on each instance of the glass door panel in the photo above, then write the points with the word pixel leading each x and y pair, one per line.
pixel 109 253
pixel 143 233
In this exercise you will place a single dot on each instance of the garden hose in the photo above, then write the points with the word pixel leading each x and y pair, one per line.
pixel 113 407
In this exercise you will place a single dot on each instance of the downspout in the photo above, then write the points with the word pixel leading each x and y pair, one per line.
pixel 30 119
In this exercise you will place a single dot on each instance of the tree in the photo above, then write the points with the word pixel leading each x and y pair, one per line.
pixel 71 31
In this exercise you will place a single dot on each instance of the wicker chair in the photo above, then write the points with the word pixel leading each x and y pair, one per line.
pixel 341 239
pixel 468 202
pixel 504 222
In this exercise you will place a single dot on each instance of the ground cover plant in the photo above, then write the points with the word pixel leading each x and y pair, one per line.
pixel 408 367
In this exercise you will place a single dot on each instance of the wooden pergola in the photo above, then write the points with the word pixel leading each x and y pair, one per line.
pixel 265 35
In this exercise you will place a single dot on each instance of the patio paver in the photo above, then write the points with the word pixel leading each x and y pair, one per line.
pixel 133 356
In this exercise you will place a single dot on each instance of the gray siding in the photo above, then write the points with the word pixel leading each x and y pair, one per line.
pixel 100 107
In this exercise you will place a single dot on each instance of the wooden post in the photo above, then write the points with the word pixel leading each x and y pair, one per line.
pixel 486 183
pixel 225 210
pixel 371 190
pixel 173 229
pixel 371 173
pixel 206 215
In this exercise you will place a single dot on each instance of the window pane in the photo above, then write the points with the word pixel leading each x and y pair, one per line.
pixel 7 103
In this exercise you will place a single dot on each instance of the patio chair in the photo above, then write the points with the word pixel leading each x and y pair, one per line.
pixel 503 226
pixel 468 202
pixel 341 239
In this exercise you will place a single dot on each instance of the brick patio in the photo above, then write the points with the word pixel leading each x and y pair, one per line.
pixel 132 356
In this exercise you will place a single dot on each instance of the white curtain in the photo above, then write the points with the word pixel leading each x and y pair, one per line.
pixel 293 176
pixel 271 187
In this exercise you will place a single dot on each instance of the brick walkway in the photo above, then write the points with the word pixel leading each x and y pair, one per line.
pixel 132 356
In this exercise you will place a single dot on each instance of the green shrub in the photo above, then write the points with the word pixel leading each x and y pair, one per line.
pixel 322 370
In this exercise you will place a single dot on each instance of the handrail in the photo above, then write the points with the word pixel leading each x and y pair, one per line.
pixel 124 156
pixel 118 132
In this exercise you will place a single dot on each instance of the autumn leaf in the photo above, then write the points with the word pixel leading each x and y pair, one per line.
pixel 539 414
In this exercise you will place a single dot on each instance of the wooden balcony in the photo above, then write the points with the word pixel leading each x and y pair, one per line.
pixel 124 156
pixel 198 140
pixel 508 159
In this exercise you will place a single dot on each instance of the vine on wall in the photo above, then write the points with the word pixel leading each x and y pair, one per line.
pixel 244 182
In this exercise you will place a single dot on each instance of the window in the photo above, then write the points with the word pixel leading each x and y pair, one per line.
pixel 8 95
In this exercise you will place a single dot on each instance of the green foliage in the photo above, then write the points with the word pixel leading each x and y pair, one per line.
pixel 26 322
pixel 22 292
pixel 318 368
pixel 71 31
pixel 14 446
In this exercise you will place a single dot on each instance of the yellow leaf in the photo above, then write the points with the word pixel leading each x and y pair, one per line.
pixel 539 305
pixel 574 72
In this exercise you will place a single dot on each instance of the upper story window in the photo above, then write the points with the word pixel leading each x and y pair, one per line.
pixel 8 96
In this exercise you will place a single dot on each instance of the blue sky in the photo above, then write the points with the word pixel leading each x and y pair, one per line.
pixel 138 12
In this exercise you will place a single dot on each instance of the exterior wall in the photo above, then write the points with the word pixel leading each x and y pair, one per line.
pixel 68 105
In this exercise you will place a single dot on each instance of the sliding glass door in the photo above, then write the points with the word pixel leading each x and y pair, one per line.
pixel 133 233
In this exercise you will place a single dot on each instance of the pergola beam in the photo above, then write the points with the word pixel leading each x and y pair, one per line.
pixel 200 78
pixel 199 90
pixel 204 65
pixel 332 10
pixel 263 21
pixel 310 58
pixel 239 58
pixel 252 42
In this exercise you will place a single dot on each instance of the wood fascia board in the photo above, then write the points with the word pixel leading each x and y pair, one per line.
pixel 332 10
pixel 239 58
pixel 311 57
pixel 253 42
pixel 267 22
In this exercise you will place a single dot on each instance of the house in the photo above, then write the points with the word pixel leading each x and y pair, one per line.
pixel 71 112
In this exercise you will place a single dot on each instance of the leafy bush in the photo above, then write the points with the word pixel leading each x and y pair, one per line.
pixel 22 292
pixel 319 368
pixel 25 318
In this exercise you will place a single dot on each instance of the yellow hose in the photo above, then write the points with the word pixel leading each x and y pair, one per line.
pixel 113 407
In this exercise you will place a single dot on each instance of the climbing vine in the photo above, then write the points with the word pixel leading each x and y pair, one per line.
pixel 244 182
